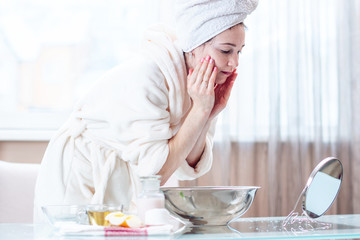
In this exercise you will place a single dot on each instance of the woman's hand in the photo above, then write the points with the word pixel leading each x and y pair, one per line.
pixel 200 85
pixel 222 94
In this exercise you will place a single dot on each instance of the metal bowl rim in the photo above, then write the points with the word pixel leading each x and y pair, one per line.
pixel 203 188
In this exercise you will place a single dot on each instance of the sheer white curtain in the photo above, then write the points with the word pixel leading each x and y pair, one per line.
pixel 295 102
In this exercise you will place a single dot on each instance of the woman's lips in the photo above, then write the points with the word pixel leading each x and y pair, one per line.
pixel 226 73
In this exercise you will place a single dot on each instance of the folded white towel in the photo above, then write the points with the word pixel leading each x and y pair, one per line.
pixel 90 230
pixel 197 21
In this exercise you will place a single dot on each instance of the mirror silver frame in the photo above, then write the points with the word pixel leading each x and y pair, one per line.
pixel 321 166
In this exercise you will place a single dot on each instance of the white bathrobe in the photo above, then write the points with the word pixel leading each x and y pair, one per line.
pixel 120 131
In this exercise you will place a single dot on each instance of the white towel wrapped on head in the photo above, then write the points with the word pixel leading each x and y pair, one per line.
pixel 197 21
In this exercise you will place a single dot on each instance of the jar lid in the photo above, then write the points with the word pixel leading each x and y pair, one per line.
pixel 150 177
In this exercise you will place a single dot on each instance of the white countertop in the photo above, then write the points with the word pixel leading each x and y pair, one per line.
pixel 337 227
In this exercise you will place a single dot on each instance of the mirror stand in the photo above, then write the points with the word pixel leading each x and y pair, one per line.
pixel 299 223
pixel 293 215
pixel 302 222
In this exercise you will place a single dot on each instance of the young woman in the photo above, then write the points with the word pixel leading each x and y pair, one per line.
pixel 154 114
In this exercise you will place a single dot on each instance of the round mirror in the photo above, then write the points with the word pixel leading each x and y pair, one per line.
pixel 322 187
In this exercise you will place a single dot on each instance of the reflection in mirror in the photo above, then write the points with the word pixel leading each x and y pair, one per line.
pixel 320 191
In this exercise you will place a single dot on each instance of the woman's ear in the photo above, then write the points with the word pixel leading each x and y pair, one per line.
pixel 196 55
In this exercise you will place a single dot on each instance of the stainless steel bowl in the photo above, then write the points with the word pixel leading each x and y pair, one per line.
pixel 208 205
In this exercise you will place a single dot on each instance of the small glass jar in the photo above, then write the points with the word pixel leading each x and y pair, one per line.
pixel 151 197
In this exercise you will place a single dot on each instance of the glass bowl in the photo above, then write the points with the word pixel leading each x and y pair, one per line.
pixel 93 214
pixel 65 214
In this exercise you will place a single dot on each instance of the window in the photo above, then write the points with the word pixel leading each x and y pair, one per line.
pixel 51 52
pixel 289 72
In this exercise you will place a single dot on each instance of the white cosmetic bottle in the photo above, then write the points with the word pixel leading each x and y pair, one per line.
pixel 151 196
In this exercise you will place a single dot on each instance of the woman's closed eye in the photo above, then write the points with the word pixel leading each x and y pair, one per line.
pixel 226 51
pixel 229 51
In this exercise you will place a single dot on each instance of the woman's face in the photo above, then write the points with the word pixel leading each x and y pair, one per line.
pixel 224 49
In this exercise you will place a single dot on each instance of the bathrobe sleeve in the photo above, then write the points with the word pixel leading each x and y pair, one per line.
pixel 186 172
pixel 146 129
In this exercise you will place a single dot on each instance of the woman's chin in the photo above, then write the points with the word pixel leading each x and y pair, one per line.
pixel 220 80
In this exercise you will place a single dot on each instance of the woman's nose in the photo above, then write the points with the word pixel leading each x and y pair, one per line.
pixel 234 61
